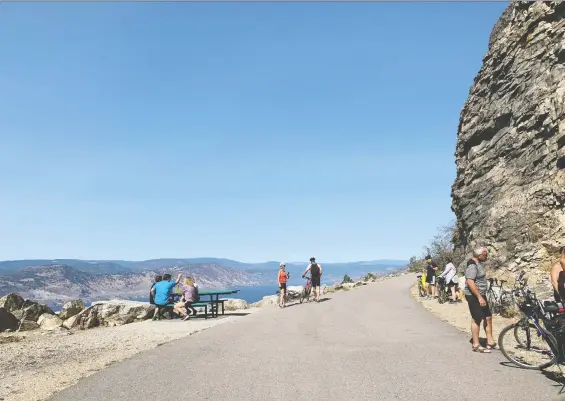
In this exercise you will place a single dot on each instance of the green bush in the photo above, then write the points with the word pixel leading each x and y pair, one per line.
pixel 346 279
pixel 440 248
pixel 369 276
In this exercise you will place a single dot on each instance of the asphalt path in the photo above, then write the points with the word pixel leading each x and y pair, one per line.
pixel 371 343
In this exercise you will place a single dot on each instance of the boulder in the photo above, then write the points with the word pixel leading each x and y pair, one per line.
pixel 235 304
pixel 26 325
pixel 295 288
pixel 11 302
pixel 112 313
pixel 49 321
pixel 71 322
pixel 8 322
pixel 71 308
pixel 19 314
pixel 33 310
pixel 269 300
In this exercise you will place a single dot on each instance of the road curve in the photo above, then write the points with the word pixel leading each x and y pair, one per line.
pixel 372 343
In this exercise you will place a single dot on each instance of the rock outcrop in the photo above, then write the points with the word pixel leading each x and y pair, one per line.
pixel 111 313
pixel 8 322
pixel 49 322
pixel 71 308
pixel 235 304
pixel 509 193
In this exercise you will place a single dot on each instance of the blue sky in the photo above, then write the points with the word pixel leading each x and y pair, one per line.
pixel 253 131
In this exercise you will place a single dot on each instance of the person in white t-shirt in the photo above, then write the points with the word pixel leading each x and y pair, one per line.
pixel 451 279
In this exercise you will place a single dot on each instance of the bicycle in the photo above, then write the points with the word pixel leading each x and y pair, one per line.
pixel 421 289
pixel 443 291
pixel 289 295
pixel 540 322
pixel 500 303
pixel 306 291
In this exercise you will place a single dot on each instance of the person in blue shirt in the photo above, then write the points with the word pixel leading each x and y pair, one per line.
pixel 161 291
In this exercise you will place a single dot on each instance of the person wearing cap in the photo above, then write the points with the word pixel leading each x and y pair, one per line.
pixel 281 279
pixel 431 277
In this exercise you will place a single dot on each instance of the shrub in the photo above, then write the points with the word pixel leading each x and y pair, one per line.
pixel 440 248
pixel 346 279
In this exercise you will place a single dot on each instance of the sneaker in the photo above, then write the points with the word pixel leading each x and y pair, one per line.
pixel 186 318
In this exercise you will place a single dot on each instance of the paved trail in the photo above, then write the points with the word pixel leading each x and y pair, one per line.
pixel 373 343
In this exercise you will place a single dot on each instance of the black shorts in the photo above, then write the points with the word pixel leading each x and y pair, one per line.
pixel 431 280
pixel 282 286
pixel 478 312
pixel 315 281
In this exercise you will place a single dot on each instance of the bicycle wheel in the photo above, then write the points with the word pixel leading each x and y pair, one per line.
pixel 493 302
pixel 421 290
pixel 442 296
pixel 523 345
pixel 302 295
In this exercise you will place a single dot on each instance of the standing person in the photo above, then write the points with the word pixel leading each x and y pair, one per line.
pixel 162 290
pixel 475 294
pixel 316 275
pixel 431 277
pixel 281 279
pixel 451 279
pixel 558 276
pixel 152 297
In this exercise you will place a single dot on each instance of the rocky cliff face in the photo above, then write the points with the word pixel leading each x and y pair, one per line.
pixel 509 193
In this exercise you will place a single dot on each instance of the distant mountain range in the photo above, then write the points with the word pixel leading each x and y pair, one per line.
pixel 61 279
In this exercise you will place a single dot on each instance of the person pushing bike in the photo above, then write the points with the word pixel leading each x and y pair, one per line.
pixel 316 273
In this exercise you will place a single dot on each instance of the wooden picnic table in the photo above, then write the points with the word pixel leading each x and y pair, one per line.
pixel 214 298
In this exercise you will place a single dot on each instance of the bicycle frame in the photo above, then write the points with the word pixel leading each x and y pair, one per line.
pixel 534 312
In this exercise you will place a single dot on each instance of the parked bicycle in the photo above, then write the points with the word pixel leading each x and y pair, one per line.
pixel 536 341
pixel 421 289
pixel 500 300
pixel 443 290
pixel 289 295
pixel 305 294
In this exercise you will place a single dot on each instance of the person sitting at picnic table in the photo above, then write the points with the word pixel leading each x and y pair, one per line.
pixel 189 296
pixel 162 290
pixel 152 297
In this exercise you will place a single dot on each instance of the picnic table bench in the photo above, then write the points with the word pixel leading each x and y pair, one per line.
pixel 214 302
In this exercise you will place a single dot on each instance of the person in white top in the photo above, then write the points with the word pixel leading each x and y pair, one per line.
pixel 451 279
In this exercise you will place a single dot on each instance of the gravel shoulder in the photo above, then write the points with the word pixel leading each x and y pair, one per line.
pixel 34 365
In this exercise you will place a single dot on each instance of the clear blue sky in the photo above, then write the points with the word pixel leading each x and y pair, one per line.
pixel 253 131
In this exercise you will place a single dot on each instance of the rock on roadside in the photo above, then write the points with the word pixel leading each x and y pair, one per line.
pixel 26 325
pixel 232 304
pixel 49 322
pixel 8 322
pixel 11 302
pixel 268 300
pixel 33 310
pixel 71 308
pixel 111 313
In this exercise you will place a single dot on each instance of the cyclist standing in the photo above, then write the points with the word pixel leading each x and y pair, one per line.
pixel 281 279
pixel 316 274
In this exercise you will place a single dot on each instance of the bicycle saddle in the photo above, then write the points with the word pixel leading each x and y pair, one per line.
pixel 550 306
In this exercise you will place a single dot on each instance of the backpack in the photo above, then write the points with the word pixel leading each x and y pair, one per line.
pixel 315 270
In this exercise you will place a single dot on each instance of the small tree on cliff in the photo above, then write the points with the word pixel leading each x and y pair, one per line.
pixel 441 247
pixel 346 279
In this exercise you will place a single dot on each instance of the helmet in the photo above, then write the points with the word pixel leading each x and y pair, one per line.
pixel 282 264
pixel 312 259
